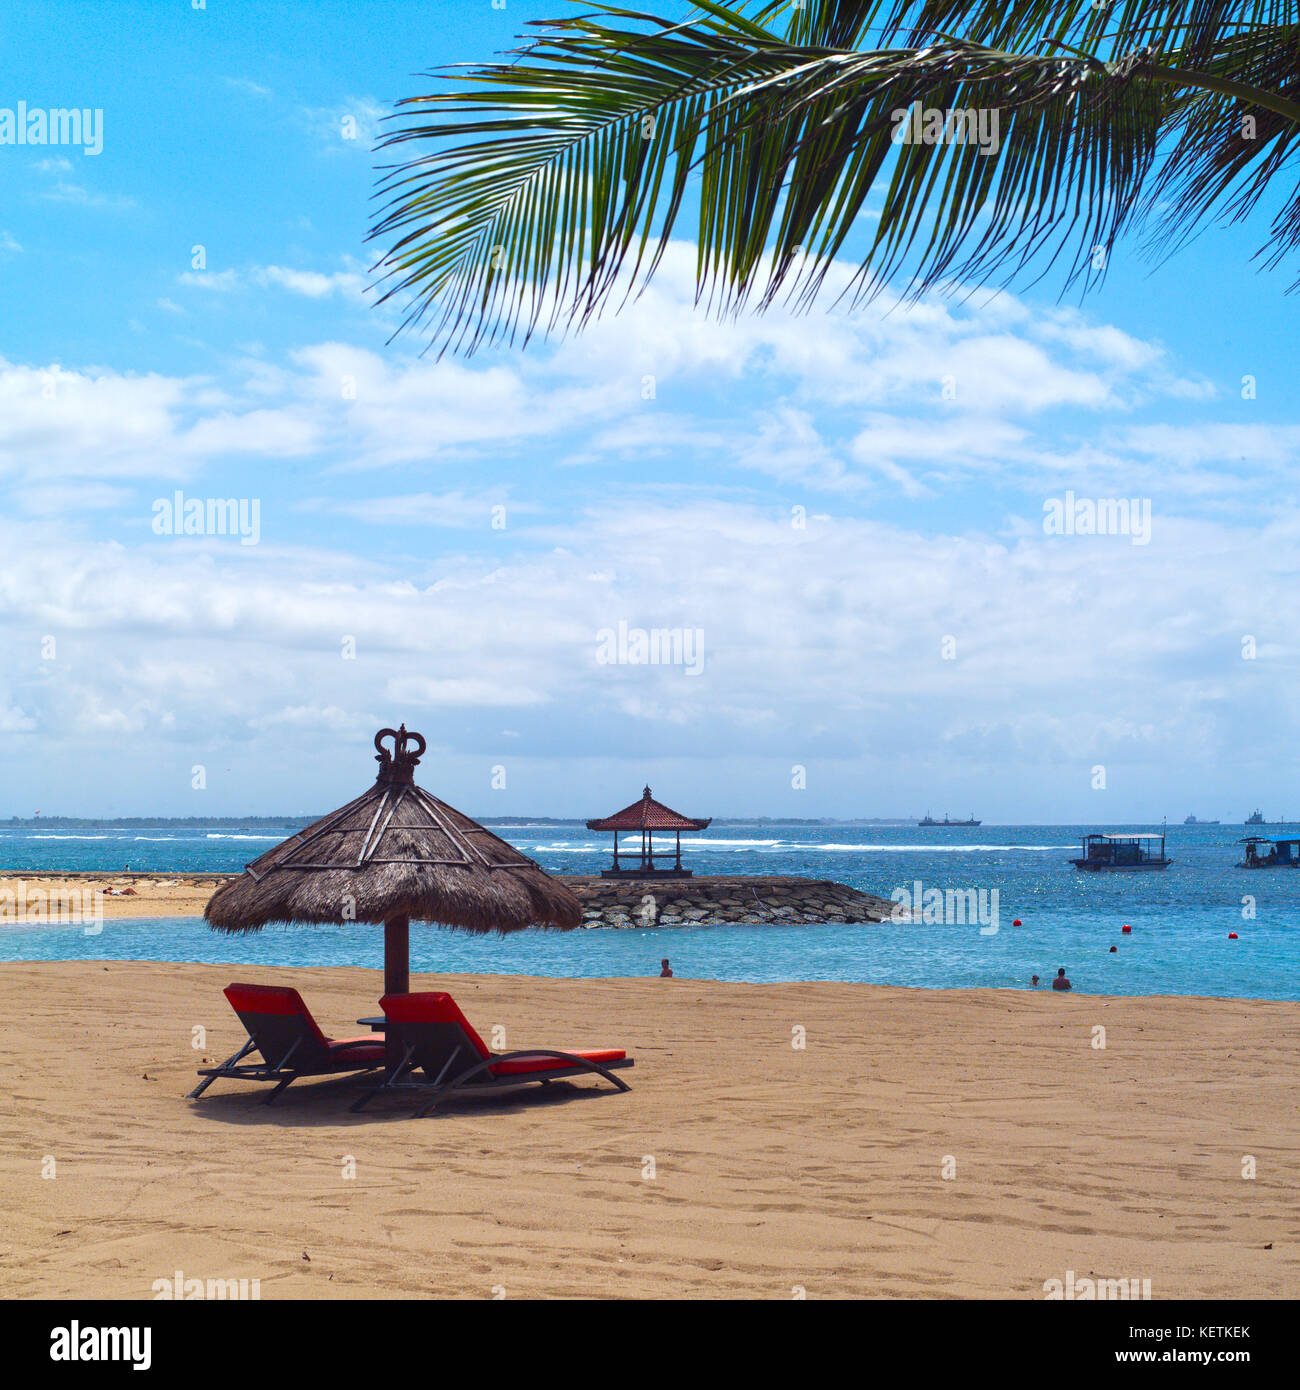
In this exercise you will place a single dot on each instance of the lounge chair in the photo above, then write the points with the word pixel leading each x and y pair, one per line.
pixel 281 1028
pixel 436 1039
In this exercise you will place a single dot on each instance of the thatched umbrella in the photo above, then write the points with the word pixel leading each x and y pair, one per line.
pixel 392 854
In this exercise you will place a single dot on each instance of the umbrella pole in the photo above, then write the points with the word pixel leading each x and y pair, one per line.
pixel 397 971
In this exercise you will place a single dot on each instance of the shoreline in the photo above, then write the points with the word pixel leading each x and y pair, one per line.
pixel 771 1165
pixel 975 991
pixel 618 904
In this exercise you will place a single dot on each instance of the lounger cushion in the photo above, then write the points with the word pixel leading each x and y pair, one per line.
pixel 273 999
pixel 438 1007
pixel 522 1066
pixel 367 1053
pixel 433 1007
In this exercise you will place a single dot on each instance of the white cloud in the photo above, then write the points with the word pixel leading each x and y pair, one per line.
pixel 55 422
pixel 311 283
pixel 79 194
pixel 328 717
pixel 219 281
pixel 923 521
pixel 787 446
pixel 825 638
pixel 15 721
pixel 458 510
pixel 248 87
pixel 62 500
pixel 353 126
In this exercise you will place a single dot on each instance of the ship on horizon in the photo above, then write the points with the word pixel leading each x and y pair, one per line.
pixel 930 820
pixel 1192 820
pixel 1255 818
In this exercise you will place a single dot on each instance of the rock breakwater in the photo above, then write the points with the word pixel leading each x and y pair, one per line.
pixel 783 901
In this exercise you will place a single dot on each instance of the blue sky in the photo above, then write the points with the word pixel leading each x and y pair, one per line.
pixel 864 561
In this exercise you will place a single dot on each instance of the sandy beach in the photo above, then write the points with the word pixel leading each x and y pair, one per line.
pixel 738 1165
pixel 121 894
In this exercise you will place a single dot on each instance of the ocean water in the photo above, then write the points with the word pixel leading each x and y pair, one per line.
pixel 1180 917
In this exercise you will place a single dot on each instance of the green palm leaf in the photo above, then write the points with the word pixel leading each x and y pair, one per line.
pixel 539 189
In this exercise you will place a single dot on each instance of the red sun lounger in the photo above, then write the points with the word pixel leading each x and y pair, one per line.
pixel 437 1040
pixel 281 1028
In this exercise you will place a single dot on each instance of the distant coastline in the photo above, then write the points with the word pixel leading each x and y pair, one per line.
pixel 236 822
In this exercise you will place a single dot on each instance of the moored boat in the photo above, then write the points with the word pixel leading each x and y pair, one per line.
pixel 1262 853
pixel 1122 852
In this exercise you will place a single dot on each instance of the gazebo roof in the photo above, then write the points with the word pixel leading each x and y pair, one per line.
pixel 648 814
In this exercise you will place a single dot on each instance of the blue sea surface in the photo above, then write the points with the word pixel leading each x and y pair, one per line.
pixel 1180 917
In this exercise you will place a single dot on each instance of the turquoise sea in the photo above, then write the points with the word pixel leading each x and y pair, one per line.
pixel 1180 917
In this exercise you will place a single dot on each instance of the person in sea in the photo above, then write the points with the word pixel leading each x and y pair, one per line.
pixel 1061 982
pixel 665 970
pixel 1033 980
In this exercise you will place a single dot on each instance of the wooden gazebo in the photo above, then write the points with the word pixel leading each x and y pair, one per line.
pixel 647 816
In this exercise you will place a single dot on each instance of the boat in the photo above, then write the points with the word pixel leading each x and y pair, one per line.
pixel 1279 854
pixel 1122 852
pixel 1256 819
pixel 1192 820
pixel 928 819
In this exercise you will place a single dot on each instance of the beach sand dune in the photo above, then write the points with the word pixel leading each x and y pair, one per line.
pixel 738 1164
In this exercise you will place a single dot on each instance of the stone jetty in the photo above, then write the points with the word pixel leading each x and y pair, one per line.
pixel 668 902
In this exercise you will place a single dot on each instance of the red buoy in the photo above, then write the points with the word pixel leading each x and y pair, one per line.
pixel 1016 923
pixel 1126 929
pixel 1232 936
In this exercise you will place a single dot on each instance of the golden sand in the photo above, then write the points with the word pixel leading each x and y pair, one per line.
pixel 737 1165
pixel 122 895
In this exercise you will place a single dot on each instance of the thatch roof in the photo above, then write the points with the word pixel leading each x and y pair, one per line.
pixel 649 814
pixel 395 851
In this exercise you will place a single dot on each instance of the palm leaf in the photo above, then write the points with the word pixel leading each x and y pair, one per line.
pixel 543 186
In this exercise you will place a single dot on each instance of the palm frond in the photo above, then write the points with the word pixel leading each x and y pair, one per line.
pixel 545 185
